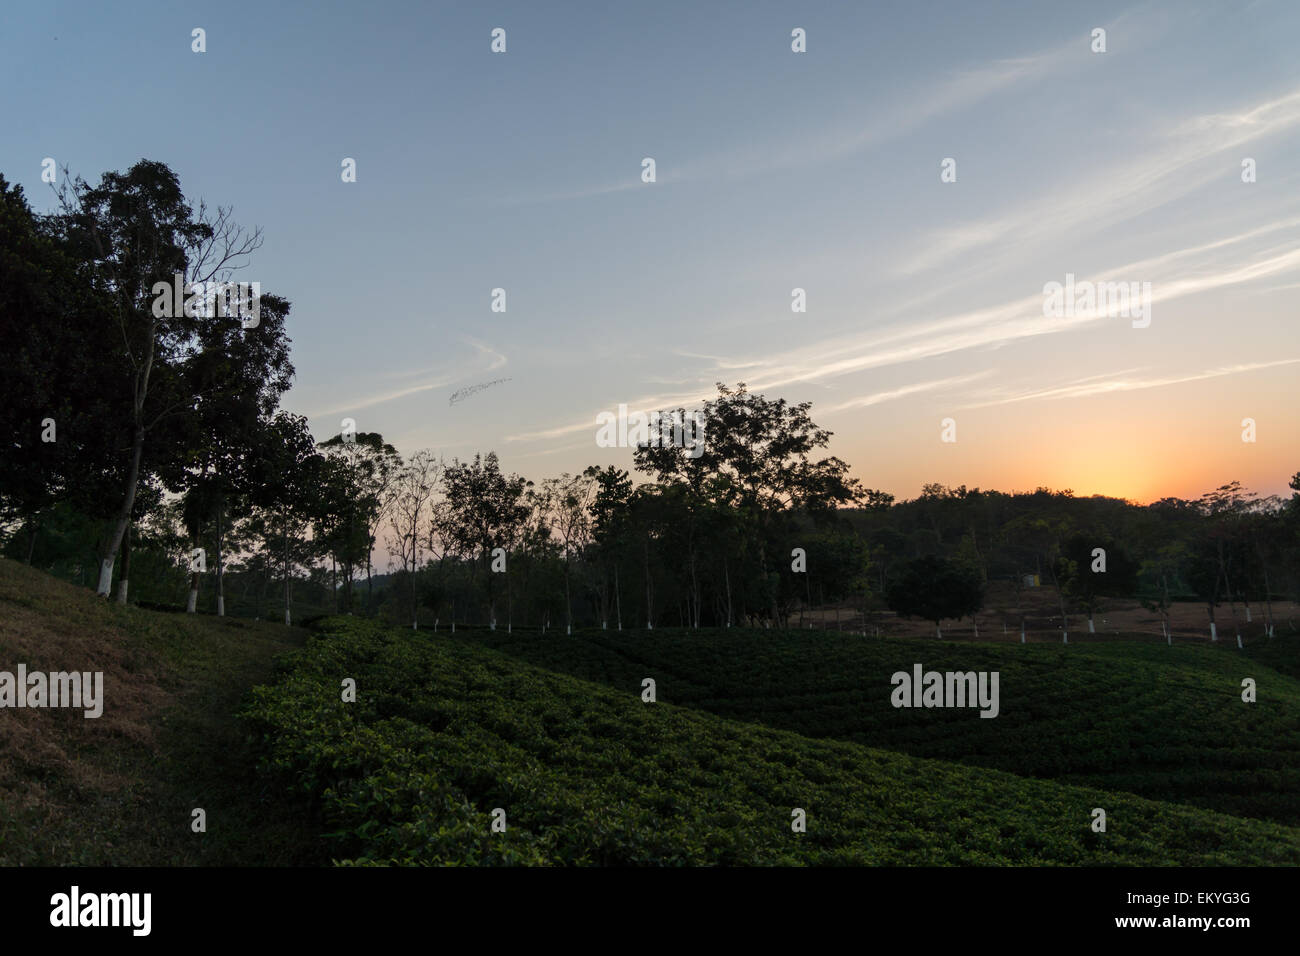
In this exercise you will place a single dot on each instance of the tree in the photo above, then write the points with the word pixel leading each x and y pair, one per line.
pixel 1227 508
pixel 935 589
pixel 1091 567
pixel 567 500
pixel 609 528
pixel 236 377
pixel 484 510
pixel 133 232
pixel 285 482
pixel 1165 563
pixel 412 493
pixel 839 566
pixel 366 465
pixel 755 458
pixel 61 425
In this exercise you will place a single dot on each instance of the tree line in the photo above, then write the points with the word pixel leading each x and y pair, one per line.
pixel 147 455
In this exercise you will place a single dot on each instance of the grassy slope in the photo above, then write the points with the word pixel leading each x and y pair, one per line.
pixel 1166 723
pixel 119 789
pixel 444 731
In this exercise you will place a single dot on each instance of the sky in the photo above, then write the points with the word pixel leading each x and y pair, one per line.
pixel 775 170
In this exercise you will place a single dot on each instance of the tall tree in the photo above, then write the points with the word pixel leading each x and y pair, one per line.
pixel 484 509
pixel 410 514
pixel 756 456
pixel 134 232
pixel 367 466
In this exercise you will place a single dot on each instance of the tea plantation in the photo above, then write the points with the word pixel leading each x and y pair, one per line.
pixel 444 731
pixel 1165 722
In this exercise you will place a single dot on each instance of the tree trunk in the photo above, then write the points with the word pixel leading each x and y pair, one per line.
pixel 123 581
pixel 568 602
pixel 1268 605
pixel 649 591
pixel 695 591
pixel 124 512
pixel 1065 623
pixel 618 597
pixel 1232 602
pixel 287 617
pixel 221 580
pixel 33 525
pixel 192 601
pixel 726 576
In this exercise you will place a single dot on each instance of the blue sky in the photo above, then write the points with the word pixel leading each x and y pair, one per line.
pixel 775 170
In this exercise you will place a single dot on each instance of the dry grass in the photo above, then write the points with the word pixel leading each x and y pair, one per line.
pixel 119 789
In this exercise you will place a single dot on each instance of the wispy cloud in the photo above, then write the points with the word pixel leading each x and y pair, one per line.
pixel 1186 158
pixel 370 401
pixel 445 374
pixel 1184 272
pixel 961 89
pixel 1119 382
pixel 1173 275
pixel 877 398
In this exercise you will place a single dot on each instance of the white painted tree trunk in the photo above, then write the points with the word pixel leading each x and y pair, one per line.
pixel 1214 632
pixel 221 605
pixel 938 632
pixel 105 577
pixel 287 621
pixel 1239 640
pixel 1092 628
pixel 191 605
